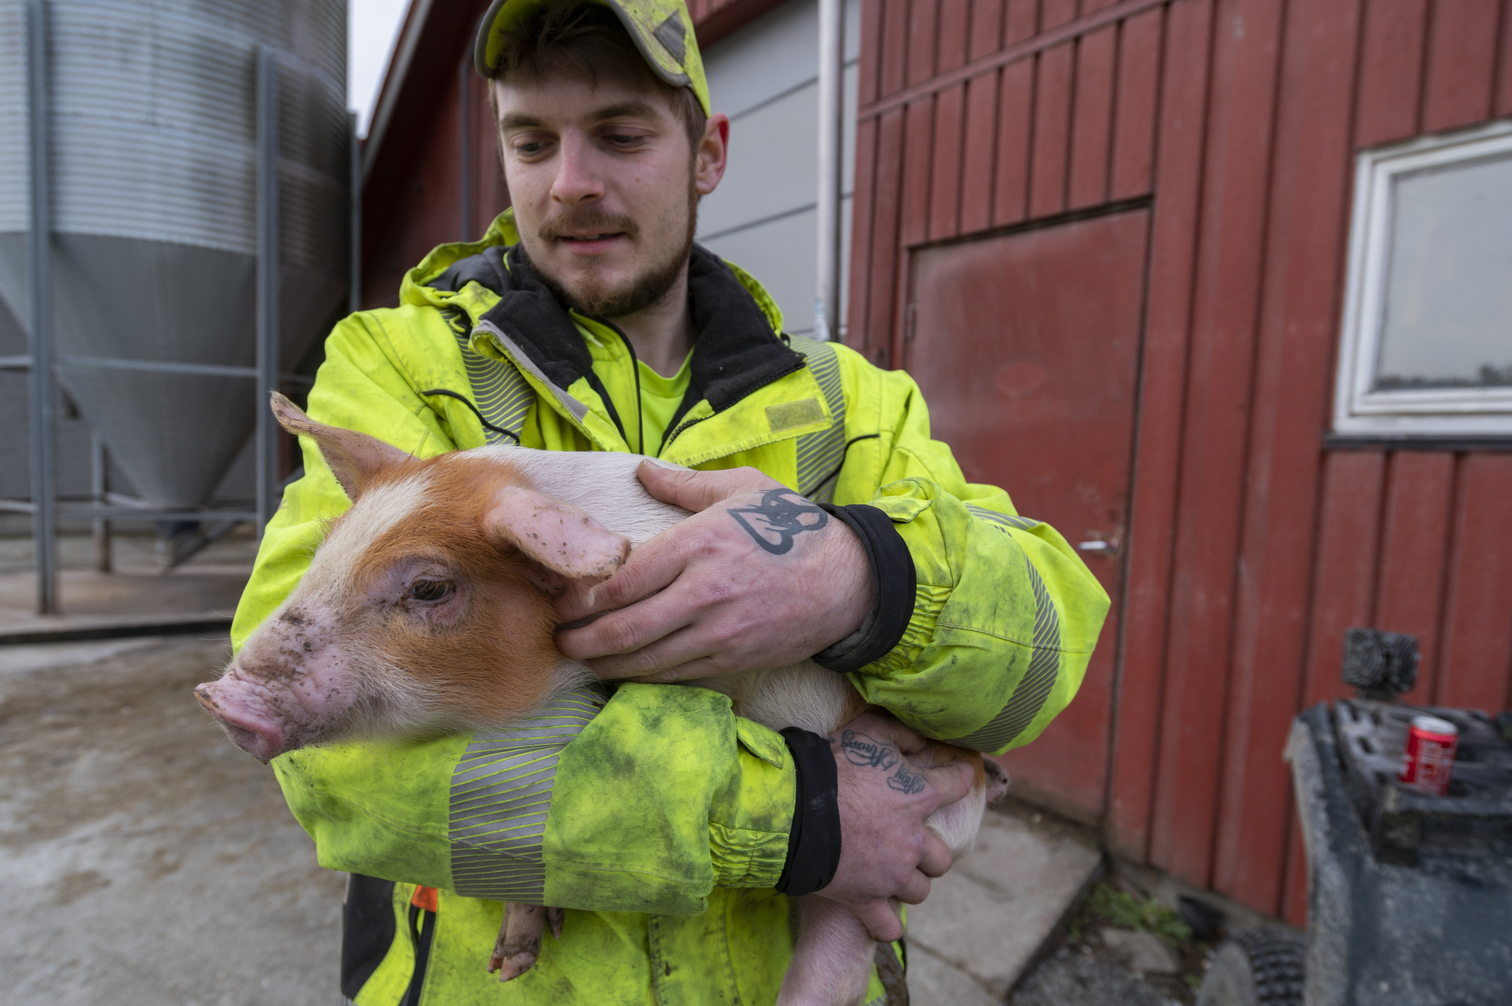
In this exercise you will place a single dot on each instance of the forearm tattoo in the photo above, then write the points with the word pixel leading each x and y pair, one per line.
pixel 868 752
pixel 779 517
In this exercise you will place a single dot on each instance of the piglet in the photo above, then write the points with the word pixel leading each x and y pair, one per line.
pixel 428 608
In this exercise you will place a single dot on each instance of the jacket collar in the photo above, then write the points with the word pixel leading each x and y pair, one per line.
pixel 736 350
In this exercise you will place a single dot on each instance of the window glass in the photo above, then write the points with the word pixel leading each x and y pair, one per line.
pixel 1448 296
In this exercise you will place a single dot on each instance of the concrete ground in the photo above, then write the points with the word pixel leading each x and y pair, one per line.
pixel 145 860
pixel 986 920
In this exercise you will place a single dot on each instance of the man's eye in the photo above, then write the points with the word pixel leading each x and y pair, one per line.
pixel 622 140
pixel 430 590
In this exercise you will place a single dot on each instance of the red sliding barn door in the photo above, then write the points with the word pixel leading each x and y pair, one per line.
pixel 1026 346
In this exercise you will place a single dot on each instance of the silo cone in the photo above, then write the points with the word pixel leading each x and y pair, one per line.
pixel 152 115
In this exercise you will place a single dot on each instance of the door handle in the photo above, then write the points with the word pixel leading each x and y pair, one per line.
pixel 1098 547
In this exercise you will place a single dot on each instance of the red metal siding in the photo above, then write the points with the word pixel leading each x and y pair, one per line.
pixel 1252 548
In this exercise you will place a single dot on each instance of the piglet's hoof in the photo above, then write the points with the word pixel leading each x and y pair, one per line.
pixel 554 918
pixel 512 962
pixel 519 943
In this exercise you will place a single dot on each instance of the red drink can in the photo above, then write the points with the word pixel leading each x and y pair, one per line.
pixel 1429 759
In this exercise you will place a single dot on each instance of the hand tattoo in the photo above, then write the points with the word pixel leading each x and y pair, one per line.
pixel 859 749
pixel 778 518
pixel 868 752
pixel 905 781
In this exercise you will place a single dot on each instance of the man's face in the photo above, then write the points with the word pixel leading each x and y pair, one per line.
pixel 604 186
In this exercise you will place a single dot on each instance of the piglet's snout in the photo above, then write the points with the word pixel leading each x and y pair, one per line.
pixel 290 686
pixel 248 723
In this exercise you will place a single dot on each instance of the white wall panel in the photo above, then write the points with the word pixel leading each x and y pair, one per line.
pixel 765 77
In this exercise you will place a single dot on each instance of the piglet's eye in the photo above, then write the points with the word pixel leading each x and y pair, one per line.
pixel 430 590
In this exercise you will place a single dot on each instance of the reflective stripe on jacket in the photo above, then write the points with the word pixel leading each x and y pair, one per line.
pixel 651 812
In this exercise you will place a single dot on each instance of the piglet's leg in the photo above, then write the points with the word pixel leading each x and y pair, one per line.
pixel 832 959
pixel 519 941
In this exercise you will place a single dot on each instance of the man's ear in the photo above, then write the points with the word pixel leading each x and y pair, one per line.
pixel 354 458
pixel 559 536
pixel 712 156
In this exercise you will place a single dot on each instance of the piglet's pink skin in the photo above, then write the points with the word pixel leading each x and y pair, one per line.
pixel 426 608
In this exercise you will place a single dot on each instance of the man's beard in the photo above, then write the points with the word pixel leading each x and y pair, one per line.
pixel 642 291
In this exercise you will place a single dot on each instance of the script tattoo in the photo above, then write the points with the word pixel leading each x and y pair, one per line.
pixel 867 752
pixel 779 517
pixel 905 781
pixel 859 749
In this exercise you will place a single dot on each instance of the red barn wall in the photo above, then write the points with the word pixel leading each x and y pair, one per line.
pixel 1251 546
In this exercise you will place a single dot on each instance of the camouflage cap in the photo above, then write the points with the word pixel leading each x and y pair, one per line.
pixel 662 30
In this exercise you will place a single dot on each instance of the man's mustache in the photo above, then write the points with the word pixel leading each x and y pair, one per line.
pixel 579 222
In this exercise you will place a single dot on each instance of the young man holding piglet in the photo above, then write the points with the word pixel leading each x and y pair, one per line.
pixel 586 319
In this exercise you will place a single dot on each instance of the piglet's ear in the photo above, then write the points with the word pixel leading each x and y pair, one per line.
pixel 354 458
pixel 557 535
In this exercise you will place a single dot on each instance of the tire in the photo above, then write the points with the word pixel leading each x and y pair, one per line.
pixel 1258 967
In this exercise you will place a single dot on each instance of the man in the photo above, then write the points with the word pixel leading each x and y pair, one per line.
pixel 672 831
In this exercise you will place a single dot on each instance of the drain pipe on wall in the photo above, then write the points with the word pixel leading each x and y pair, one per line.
pixel 831 96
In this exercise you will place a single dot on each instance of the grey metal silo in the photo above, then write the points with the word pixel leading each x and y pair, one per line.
pixel 152 121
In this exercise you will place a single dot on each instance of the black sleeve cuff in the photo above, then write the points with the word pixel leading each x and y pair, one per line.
pixel 894 582
pixel 814 840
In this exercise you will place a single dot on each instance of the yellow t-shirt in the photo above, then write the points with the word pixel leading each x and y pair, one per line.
pixel 659 396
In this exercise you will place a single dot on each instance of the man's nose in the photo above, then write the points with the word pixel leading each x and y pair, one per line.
pixel 577 178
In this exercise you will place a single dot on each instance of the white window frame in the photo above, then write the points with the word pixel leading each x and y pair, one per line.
pixel 1430 412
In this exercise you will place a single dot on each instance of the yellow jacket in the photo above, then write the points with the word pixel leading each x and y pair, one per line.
pixel 652 813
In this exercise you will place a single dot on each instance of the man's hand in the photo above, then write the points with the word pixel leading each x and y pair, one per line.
pixel 885 850
pixel 757 577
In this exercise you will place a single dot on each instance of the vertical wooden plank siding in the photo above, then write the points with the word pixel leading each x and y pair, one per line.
pixel 1476 667
pixel 1305 261
pixel 1252 548
pixel 1054 13
pixel 895 36
pixel 1461 63
pixel 1344 576
pixel 978 157
pixel 1010 200
pixel 864 250
pixel 882 296
pixel 1414 545
pixel 1052 131
pixel 1135 113
pixel 1391 67
pixel 950 113
pixel 1345 566
pixel 923 25
pixel 1092 118
pixel 1218 395
pixel 864 209
pixel 979 144
pixel 1178 172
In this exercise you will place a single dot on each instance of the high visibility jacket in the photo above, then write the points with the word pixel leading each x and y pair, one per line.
pixel 654 815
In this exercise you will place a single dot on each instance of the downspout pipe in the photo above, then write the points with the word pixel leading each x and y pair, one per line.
pixel 831 94
pixel 44 487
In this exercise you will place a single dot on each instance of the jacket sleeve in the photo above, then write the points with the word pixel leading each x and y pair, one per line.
pixel 642 799
pixel 1005 613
